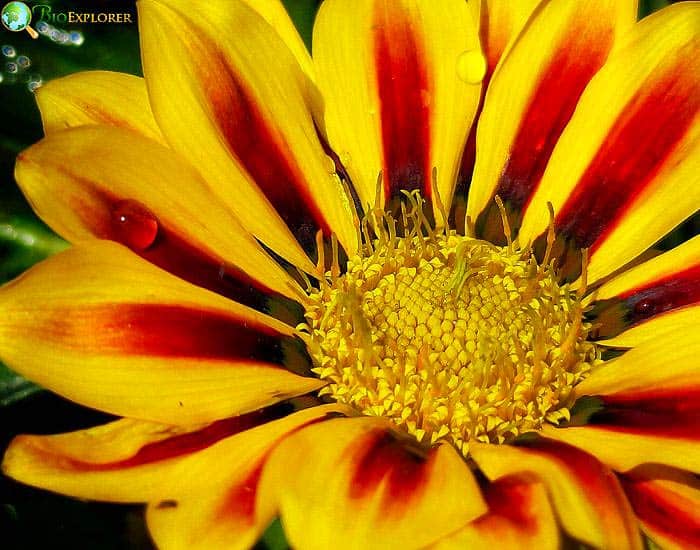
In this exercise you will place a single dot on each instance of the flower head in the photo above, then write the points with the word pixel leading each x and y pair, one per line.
pixel 393 294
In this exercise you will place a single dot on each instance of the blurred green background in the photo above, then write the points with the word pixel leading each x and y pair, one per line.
pixel 30 518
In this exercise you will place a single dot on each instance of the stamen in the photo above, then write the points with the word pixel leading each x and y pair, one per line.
pixel 320 250
pixel 438 199
pixel 335 265
pixel 506 225
pixel 551 237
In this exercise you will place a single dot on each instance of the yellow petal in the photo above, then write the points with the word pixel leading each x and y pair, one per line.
pixel 274 12
pixel 123 461
pixel 625 171
pixel 659 296
pixel 213 500
pixel 667 503
pixel 111 183
pixel 501 22
pixel 624 448
pixel 651 398
pixel 532 96
pixel 665 363
pixel 97 97
pixel 586 496
pixel 519 516
pixel 103 327
pixel 354 483
pixel 231 98
pixel 395 102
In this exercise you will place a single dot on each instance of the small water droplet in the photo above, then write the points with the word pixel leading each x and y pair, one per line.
pixel 134 225
pixel 1 78
pixel 330 165
pixel 471 66
pixel 23 61
pixel 345 158
pixel 11 67
pixel 8 51
pixel 645 307
pixel 43 27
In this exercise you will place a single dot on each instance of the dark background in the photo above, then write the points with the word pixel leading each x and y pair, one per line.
pixel 30 518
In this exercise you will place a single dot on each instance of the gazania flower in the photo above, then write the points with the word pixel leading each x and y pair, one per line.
pixel 276 283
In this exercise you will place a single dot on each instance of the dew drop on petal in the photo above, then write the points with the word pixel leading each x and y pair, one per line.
pixel 471 66
pixel 134 225
pixel 645 307
pixel 330 165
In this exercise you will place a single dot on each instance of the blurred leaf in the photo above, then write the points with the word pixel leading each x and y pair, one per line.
pixel 13 387
pixel 274 538
pixel 303 13
pixel 23 242
pixel 650 6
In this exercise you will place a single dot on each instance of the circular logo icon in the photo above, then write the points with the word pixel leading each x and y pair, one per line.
pixel 16 16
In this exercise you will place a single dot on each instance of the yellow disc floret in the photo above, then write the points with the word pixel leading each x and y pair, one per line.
pixel 450 337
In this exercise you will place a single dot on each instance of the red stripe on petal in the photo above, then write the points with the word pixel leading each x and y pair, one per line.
pixel 614 315
pixel 640 142
pixel 670 400
pixel 387 458
pixel 176 446
pixel 666 512
pixel 130 223
pixel 668 425
pixel 510 498
pixel 675 291
pixel 548 113
pixel 240 501
pixel 261 151
pixel 404 93
pixel 161 331
pixel 192 442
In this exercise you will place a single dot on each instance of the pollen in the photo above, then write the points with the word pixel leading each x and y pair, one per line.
pixel 451 338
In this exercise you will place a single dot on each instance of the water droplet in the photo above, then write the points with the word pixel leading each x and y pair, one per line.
pixel 645 307
pixel 134 225
pixel 43 27
pixel 8 51
pixel 330 165
pixel 1 78
pixel 471 66
pixel 11 67
pixel 23 61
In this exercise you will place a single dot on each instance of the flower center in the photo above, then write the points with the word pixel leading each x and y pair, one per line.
pixel 450 337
